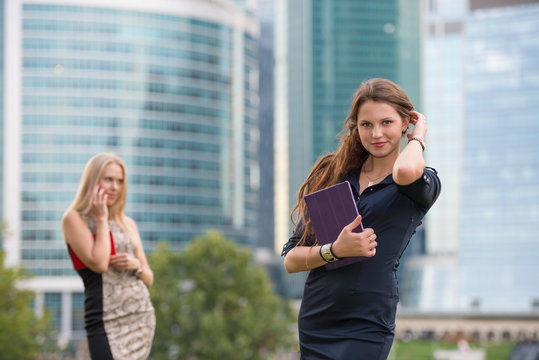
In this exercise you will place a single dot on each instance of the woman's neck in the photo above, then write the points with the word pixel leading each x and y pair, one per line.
pixel 379 165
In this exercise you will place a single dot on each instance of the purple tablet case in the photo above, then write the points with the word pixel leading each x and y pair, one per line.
pixel 330 210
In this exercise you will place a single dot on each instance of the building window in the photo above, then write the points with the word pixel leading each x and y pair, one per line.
pixel 77 311
pixel 53 304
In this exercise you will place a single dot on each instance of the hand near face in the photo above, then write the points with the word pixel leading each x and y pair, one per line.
pixel 420 125
pixel 99 203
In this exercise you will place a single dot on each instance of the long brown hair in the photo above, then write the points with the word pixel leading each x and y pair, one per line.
pixel 332 168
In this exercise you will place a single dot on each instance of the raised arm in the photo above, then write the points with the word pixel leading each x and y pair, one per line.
pixel 410 163
pixel 94 254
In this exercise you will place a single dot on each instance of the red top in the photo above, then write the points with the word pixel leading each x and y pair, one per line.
pixel 78 264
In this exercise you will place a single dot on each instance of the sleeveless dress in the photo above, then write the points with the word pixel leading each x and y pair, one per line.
pixel 118 313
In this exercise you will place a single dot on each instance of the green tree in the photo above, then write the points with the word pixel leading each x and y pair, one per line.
pixel 212 302
pixel 23 335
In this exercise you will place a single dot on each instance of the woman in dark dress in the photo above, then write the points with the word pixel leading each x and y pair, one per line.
pixel 349 312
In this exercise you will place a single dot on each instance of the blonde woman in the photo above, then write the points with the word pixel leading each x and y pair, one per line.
pixel 107 252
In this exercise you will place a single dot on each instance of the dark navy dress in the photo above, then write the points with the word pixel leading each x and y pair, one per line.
pixel 349 313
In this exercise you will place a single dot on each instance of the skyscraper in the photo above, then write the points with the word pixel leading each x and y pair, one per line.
pixel 482 82
pixel 500 193
pixel 171 86
pixel 266 105
pixel 430 282
pixel 324 50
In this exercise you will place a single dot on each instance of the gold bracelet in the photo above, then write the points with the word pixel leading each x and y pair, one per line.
pixel 326 254
pixel 306 258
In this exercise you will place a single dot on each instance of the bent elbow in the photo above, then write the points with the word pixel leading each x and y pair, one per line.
pixel 99 267
pixel 288 266
pixel 149 280
pixel 406 174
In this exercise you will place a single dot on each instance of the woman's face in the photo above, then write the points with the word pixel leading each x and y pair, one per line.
pixel 112 182
pixel 380 128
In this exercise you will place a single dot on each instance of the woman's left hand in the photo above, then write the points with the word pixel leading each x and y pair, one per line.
pixel 420 125
pixel 124 261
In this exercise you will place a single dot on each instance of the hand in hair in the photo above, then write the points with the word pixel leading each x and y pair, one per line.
pixel 410 163
pixel 420 125
pixel 350 244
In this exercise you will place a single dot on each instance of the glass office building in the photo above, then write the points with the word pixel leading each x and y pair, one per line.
pixel 481 85
pixel 500 192
pixel 171 87
pixel 324 50
pixel 430 279
pixel 353 41
pixel 266 105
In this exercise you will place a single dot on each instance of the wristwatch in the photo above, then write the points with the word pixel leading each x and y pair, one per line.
pixel 327 254
pixel 421 142
pixel 138 271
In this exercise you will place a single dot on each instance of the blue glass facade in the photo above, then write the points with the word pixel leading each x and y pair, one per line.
pixel 500 195
pixel 266 114
pixel 53 303
pixel 430 277
pixel 77 310
pixel 159 90
pixel 353 41
pixel 481 82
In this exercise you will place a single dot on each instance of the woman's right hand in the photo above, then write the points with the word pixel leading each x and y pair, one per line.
pixel 351 244
pixel 99 204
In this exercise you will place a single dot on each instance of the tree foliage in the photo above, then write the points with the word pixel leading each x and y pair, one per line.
pixel 23 335
pixel 212 302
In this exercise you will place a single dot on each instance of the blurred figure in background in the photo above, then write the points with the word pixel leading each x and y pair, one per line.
pixel 107 252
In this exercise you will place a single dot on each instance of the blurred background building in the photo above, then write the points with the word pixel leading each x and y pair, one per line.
pixel 323 51
pixel 500 189
pixel 431 278
pixel 264 13
pixel 171 86
pixel 481 80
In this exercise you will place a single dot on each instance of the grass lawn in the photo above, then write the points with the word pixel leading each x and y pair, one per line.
pixel 424 350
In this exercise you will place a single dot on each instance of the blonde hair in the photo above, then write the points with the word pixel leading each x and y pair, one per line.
pixel 91 175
